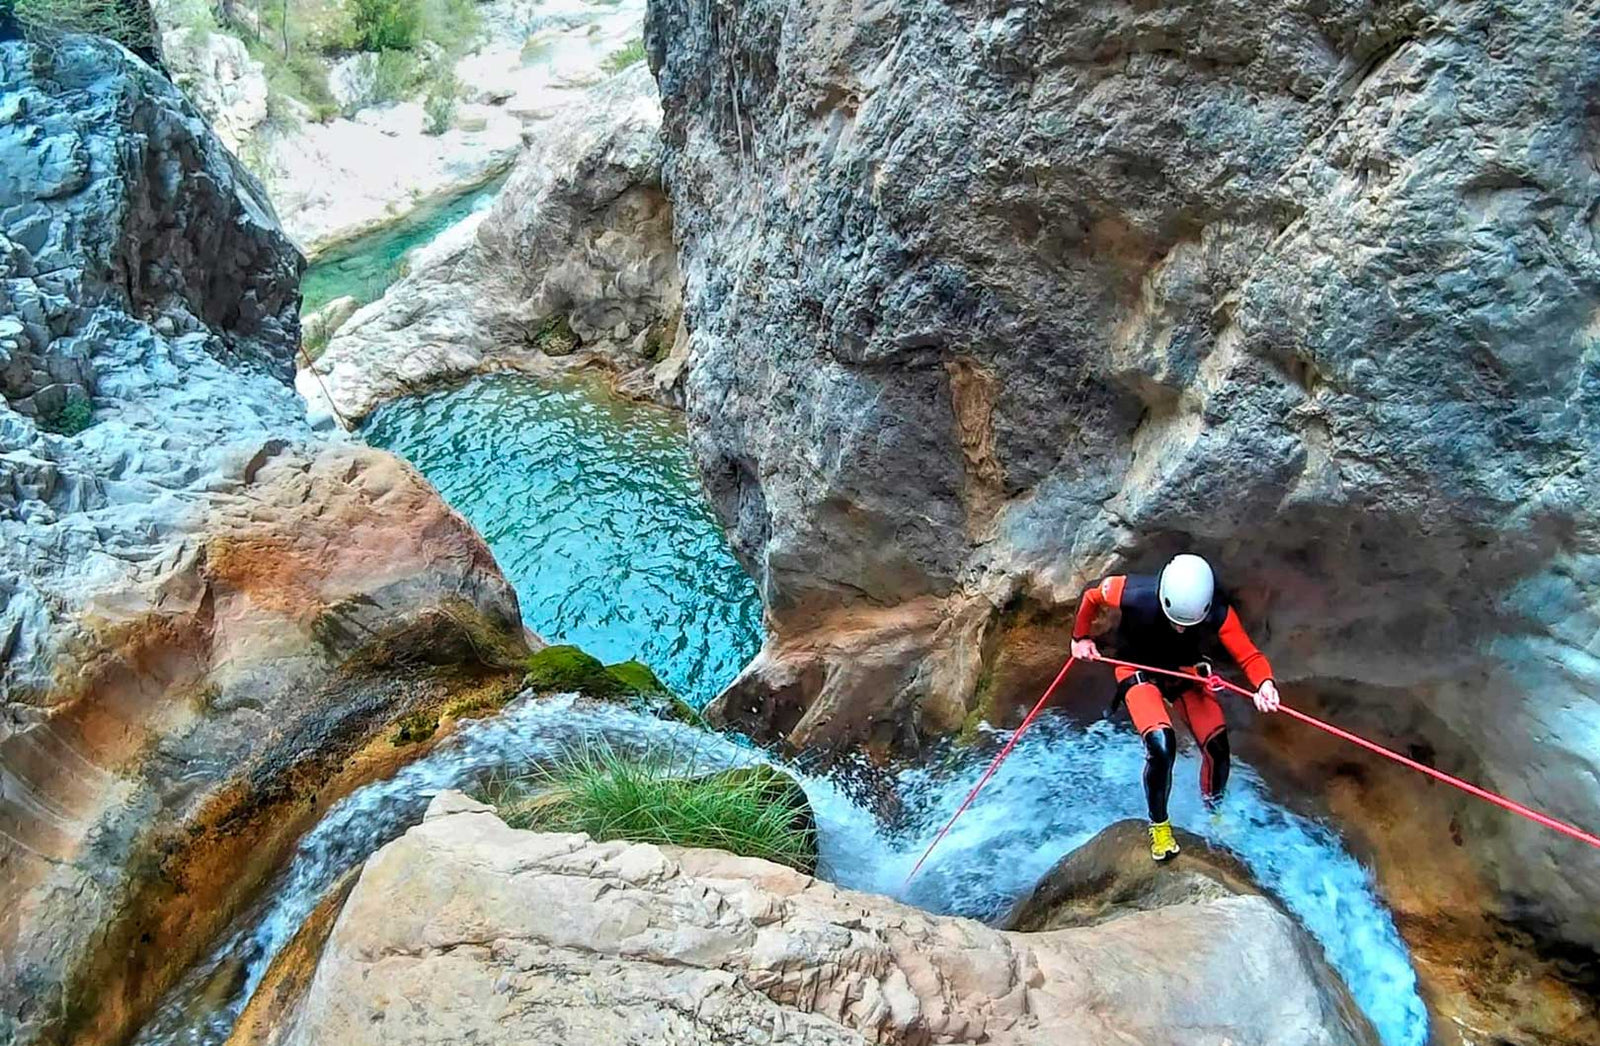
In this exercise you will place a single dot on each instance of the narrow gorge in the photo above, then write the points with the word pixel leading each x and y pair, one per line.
pixel 428 420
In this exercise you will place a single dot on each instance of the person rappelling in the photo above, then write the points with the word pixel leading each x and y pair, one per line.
pixel 1173 620
pixel 1170 621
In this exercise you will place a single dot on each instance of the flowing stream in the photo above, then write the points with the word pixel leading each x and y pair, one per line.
pixel 365 267
pixel 592 508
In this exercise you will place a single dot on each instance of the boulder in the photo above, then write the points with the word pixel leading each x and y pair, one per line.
pixel 1112 875
pixel 573 266
pixel 466 930
pixel 210 616
pixel 986 301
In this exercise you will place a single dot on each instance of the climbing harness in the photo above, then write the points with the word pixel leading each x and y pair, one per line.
pixel 1214 681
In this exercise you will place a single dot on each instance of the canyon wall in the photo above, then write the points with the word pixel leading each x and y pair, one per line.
pixel 208 612
pixel 988 299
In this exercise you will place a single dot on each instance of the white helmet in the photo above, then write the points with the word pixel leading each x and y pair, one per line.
pixel 1187 586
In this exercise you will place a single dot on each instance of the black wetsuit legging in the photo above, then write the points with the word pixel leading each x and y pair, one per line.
pixel 1161 750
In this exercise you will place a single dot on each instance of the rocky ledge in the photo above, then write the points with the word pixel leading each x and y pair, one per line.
pixel 208 612
pixel 467 930
pixel 573 266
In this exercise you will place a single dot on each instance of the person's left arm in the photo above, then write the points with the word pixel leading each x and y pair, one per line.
pixel 1251 660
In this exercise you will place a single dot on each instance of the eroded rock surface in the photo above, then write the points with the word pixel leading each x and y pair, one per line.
pixel 573 265
pixel 987 300
pixel 466 930
pixel 206 610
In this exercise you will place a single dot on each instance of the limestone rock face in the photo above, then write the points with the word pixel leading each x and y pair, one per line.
pixel 205 609
pixel 465 930
pixel 220 78
pixel 984 301
pixel 573 265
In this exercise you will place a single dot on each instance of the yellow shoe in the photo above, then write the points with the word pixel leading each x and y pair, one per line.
pixel 1162 844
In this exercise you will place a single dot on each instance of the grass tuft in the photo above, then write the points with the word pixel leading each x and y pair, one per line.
pixel 608 794
pixel 624 57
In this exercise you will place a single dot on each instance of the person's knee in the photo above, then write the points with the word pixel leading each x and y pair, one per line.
pixel 1161 745
pixel 1216 747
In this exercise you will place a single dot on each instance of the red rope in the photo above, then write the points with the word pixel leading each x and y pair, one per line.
pixel 1371 746
pixel 1015 737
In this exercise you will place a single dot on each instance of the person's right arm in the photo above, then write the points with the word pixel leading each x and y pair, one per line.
pixel 1108 593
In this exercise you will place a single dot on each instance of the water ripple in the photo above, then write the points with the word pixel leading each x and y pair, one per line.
pixel 594 510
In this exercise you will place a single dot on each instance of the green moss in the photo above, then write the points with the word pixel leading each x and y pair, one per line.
pixel 636 677
pixel 555 337
pixel 681 711
pixel 568 669
pixel 982 709
pixel 473 707
pixel 419 726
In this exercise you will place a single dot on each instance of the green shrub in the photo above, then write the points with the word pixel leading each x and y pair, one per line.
pixel 621 59
pixel 73 416
pixel 439 108
pixel 455 25
pixel 387 25
pixel 195 15
pixel 302 76
pixel 41 19
pixel 395 78
pixel 608 794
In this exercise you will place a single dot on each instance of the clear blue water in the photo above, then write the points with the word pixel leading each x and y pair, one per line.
pixel 594 510
pixel 366 266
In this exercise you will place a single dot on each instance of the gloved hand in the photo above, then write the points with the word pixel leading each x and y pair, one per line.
pixel 1085 650
pixel 1267 697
